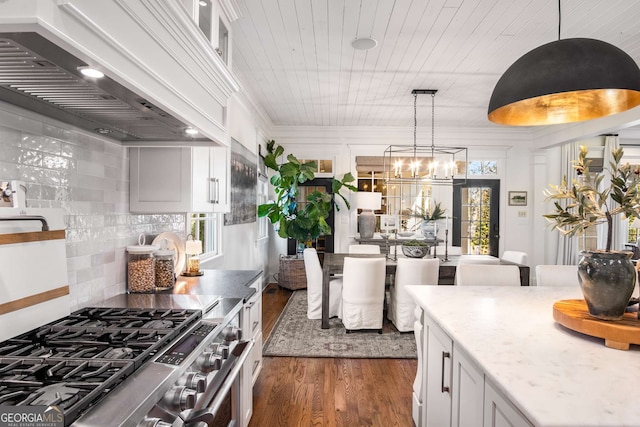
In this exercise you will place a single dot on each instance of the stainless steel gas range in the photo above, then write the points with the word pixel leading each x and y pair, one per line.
pixel 125 366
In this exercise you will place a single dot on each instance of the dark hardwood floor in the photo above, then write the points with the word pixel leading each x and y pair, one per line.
pixel 295 391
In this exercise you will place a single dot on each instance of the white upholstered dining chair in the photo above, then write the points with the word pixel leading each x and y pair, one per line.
pixel 557 275
pixel 364 249
pixel 516 257
pixel 409 271
pixel 313 271
pixel 487 275
pixel 363 293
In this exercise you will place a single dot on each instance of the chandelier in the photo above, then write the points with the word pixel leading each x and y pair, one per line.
pixel 427 164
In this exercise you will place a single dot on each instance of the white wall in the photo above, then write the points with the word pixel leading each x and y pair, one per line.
pixel 241 248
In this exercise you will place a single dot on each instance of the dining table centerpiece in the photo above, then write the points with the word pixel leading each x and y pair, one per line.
pixel 415 248
pixel 607 277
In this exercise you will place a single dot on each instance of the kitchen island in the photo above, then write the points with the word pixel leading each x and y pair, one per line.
pixel 495 354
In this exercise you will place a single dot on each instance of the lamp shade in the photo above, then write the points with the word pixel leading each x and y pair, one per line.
pixel 368 200
pixel 635 223
pixel 193 247
pixel 566 81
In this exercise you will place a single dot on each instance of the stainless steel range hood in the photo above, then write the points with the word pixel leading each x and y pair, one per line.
pixel 38 75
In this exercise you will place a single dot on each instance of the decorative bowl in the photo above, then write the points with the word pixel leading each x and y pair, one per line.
pixel 405 233
pixel 415 251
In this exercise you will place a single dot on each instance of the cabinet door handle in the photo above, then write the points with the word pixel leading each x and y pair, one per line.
pixel 255 325
pixel 445 389
pixel 211 190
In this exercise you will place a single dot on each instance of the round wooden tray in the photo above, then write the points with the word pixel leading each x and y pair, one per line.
pixel 618 334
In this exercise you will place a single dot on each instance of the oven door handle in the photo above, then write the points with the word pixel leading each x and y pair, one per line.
pixel 208 414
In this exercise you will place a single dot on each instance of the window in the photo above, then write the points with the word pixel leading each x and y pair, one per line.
pixel 323 166
pixel 483 167
pixel 206 227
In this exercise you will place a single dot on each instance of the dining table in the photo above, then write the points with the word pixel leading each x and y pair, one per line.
pixel 333 264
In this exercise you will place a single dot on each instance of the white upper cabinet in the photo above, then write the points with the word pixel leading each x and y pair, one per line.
pixel 179 179
pixel 214 19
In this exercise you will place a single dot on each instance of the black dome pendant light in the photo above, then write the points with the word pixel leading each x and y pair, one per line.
pixel 566 81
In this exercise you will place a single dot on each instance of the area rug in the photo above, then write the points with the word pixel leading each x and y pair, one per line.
pixel 295 335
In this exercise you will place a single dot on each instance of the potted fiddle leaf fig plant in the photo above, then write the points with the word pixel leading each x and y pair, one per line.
pixel 607 277
pixel 306 224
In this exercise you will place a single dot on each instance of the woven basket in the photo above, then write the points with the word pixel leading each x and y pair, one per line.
pixel 292 274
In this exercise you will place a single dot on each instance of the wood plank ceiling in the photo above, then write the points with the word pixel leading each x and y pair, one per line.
pixel 295 56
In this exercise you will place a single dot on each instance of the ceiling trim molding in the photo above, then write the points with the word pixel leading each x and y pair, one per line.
pixel 359 135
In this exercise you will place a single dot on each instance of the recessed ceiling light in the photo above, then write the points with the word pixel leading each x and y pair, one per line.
pixel 191 131
pixel 203 3
pixel 364 43
pixel 91 72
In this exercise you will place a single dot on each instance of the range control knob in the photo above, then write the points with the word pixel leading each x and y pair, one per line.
pixel 231 333
pixel 153 422
pixel 179 398
pixel 208 362
pixel 223 350
pixel 194 381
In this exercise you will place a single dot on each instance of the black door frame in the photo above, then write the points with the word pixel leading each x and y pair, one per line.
pixel 494 211
pixel 327 183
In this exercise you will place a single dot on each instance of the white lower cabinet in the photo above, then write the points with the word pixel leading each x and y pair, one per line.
pixel 467 391
pixel 251 329
pixel 453 390
pixel 438 400
pixel 499 411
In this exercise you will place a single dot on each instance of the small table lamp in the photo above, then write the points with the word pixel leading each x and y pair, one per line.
pixel 192 249
pixel 368 202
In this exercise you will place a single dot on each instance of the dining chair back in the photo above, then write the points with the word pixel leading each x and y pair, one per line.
pixel 451 250
pixel 478 259
pixel 515 256
pixel 557 275
pixel 313 271
pixel 409 271
pixel 487 275
pixel 363 293
pixel 364 249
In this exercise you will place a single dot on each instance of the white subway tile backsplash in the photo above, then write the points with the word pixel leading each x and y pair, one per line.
pixel 88 177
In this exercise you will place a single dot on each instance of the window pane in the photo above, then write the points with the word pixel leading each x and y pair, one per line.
pixel 204 227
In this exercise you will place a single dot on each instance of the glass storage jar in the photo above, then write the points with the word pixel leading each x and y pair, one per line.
pixel 165 263
pixel 141 272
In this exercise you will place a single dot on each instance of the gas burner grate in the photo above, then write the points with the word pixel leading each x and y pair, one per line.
pixel 88 343
pixel 72 385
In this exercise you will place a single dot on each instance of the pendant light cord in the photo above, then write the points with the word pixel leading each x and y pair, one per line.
pixel 415 122
pixel 559 19
pixel 433 123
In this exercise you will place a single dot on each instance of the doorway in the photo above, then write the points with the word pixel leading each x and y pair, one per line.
pixel 476 216
pixel 323 244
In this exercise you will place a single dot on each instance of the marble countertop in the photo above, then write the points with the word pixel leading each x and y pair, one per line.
pixel 555 376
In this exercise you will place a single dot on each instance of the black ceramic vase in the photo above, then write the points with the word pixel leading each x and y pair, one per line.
pixel 607 280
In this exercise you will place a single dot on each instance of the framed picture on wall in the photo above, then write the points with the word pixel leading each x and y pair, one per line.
pixel 517 198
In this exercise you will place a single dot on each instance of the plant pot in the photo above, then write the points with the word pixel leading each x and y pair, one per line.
pixel 607 280
pixel 429 230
